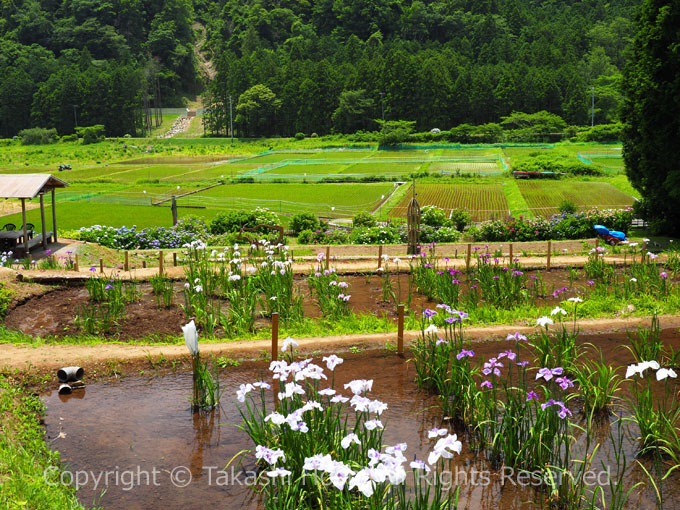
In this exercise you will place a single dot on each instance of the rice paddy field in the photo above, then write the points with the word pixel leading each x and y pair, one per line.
pixel 545 197
pixel 484 201
pixel 115 182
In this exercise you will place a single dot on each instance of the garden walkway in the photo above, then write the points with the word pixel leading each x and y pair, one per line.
pixel 97 359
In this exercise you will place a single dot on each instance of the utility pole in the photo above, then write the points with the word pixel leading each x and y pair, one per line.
pixel 592 107
pixel 231 122
pixel 75 115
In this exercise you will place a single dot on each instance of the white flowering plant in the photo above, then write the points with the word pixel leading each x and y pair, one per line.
pixel 327 444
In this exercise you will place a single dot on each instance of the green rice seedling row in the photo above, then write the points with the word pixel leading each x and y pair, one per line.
pixel 544 197
pixel 481 200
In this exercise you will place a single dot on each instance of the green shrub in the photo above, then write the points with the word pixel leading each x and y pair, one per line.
pixel 304 221
pixel 601 133
pixel 91 134
pixel 561 226
pixel 69 138
pixel 446 235
pixel 194 225
pixel 5 299
pixel 323 237
pixel 233 221
pixel 542 163
pixel 390 234
pixel 433 216
pixel 460 219
pixel 568 207
pixel 363 219
pixel 299 136
pixel 38 136
pixel 430 234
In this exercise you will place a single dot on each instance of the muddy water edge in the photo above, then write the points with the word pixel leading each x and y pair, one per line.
pixel 133 443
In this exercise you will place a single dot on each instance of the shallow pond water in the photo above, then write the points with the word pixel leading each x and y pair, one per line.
pixel 141 431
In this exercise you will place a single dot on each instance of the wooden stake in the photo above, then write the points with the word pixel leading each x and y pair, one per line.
pixel 144 264
pixel 54 218
pixel 127 261
pixel 160 262
pixel 42 221
pixel 101 265
pixel 328 256
pixel 511 257
pixel 174 258
pixel 400 330
pixel 380 256
pixel 549 254
pixel 275 336
pixel 76 267
pixel 467 258
pixel 23 215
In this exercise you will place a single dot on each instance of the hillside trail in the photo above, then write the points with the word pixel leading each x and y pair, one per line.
pixel 206 68
pixel 205 65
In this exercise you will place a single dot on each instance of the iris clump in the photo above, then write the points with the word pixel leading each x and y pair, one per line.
pixel 206 384
pixel 325 444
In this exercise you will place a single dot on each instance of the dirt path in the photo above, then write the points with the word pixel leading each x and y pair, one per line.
pixel 205 65
pixel 44 358
pixel 303 265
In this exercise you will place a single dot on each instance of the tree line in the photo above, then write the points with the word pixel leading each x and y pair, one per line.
pixel 311 67
pixel 90 62
pixel 336 66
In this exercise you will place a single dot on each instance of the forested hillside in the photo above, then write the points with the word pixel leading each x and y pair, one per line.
pixel 99 55
pixel 313 67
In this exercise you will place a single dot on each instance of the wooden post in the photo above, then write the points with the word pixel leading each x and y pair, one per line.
pixel 400 330
pixel 173 208
pixel 380 247
pixel 549 255
pixel 275 336
pixel 160 262
pixel 328 256
pixel 467 258
pixel 54 218
pixel 101 265
pixel 511 257
pixel 23 215
pixel 76 267
pixel 174 258
pixel 42 221
pixel 127 261
pixel 144 264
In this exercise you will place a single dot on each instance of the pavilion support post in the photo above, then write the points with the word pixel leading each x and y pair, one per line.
pixel 23 217
pixel 54 218
pixel 42 220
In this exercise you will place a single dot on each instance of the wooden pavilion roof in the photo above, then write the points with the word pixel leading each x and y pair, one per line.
pixel 28 185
